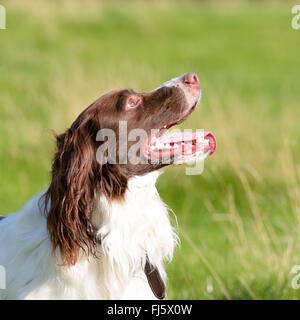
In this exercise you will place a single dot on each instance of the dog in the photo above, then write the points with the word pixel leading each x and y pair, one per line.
pixel 101 231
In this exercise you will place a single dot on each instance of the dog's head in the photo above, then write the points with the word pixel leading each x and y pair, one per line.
pixel 121 135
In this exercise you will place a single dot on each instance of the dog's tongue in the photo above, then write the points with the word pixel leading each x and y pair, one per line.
pixel 197 137
pixel 212 141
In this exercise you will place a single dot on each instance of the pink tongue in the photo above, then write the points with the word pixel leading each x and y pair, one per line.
pixel 190 136
pixel 212 141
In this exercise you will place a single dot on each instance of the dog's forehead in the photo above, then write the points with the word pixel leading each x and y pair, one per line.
pixel 114 100
pixel 112 97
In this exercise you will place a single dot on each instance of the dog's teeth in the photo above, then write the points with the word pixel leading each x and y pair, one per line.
pixel 199 137
pixel 206 142
pixel 159 144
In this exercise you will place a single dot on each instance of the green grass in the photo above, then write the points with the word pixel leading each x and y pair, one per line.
pixel 239 221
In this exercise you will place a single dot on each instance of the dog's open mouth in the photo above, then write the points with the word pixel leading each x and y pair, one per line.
pixel 162 145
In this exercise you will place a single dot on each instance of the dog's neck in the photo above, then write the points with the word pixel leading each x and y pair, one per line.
pixel 137 225
pixel 139 193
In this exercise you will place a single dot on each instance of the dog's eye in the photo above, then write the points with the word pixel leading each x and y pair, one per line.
pixel 133 102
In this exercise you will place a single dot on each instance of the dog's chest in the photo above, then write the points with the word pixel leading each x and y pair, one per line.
pixel 138 225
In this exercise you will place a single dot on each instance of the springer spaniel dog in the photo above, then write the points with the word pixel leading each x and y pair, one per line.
pixel 101 231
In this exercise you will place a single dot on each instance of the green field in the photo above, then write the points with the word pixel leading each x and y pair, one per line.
pixel 239 222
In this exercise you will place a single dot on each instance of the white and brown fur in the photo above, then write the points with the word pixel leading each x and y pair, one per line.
pixel 48 248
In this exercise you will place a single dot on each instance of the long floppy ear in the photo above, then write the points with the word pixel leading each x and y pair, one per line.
pixel 69 199
pixel 77 178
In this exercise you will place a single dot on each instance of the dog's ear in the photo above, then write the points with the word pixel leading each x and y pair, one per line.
pixel 70 197
pixel 77 178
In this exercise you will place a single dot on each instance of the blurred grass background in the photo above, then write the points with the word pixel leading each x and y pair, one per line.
pixel 239 221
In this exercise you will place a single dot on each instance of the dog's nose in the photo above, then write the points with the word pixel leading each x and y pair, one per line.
pixel 190 78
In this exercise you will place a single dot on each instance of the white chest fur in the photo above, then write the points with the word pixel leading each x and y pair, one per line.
pixel 128 230
pixel 131 228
